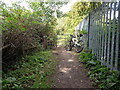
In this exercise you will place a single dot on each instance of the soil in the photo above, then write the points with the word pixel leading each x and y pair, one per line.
pixel 70 73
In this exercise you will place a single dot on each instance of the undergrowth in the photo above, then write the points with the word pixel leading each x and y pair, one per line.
pixel 99 74
pixel 31 72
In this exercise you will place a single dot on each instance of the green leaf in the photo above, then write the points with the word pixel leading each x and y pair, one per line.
pixel 36 85
pixel 11 79
pixel 36 22
pixel 9 18
pixel 92 62
pixel 22 29
pixel 111 84
pixel 5 82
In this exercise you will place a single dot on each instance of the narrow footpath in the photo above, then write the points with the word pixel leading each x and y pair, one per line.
pixel 70 73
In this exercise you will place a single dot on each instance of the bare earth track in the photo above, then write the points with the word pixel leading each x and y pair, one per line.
pixel 70 73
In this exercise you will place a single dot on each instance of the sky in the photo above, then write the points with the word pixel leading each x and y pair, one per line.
pixel 67 7
pixel 9 2
pixel 64 9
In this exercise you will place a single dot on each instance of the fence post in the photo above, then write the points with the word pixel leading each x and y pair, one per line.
pixel 117 40
pixel 89 30
pixel 100 24
pixel 103 35
pixel 109 35
pixel 113 36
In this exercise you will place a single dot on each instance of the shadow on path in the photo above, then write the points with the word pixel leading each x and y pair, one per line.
pixel 70 72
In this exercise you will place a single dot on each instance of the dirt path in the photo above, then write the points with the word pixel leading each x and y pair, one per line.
pixel 70 73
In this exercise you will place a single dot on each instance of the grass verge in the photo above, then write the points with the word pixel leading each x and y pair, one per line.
pixel 31 72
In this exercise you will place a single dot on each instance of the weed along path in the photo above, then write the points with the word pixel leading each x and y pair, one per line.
pixel 69 73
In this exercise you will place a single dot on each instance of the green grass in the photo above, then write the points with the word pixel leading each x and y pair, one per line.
pixel 31 72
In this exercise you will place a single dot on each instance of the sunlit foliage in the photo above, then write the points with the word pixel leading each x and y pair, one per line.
pixel 72 18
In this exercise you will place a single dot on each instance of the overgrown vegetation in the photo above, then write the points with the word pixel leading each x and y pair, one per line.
pixel 99 74
pixel 26 30
pixel 72 18
pixel 31 72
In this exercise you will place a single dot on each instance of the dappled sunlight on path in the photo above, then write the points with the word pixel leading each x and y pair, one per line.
pixel 70 73
pixel 65 70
